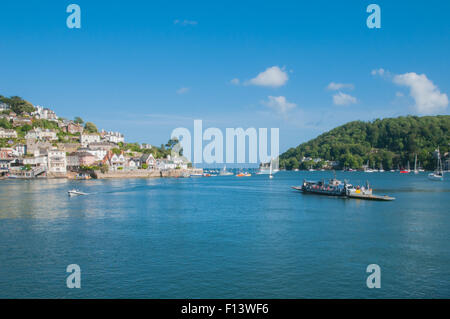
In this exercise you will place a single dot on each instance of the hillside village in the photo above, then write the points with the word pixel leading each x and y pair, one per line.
pixel 35 142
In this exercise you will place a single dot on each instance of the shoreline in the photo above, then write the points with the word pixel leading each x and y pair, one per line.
pixel 173 173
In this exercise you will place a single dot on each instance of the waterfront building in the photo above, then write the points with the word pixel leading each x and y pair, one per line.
pixel 149 160
pixel 57 162
pixel 165 164
pixel 6 152
pixel 73 161
pixel 86 159
pixel 5 165
pixel 133 163
pixel 40 160
pixel 20 149
pixel 179 161
pixel 114 161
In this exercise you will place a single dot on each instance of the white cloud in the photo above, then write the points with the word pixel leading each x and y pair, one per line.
pixel 182 90
pixel 235 81
pixel 399 94
pixel 185 22
pixel 339 86
pixel 428 98
pixel 343 99
pixel 273 76
pixel 279 104
pixel 379 72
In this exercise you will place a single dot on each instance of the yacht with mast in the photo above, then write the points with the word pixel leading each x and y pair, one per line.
pixel 438 174
pixel 270 168
pixel 416 171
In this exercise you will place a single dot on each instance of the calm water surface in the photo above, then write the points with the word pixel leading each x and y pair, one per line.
pixel 224 237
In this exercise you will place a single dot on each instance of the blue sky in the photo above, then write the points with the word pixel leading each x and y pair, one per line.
pixel 147 67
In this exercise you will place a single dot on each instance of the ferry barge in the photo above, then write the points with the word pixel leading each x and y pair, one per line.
pixel 335 187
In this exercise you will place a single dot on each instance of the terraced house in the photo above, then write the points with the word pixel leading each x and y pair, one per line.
pixel 40 134
pixel 5 133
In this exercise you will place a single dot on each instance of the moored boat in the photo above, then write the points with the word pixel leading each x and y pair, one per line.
pixel 406 171
pixel 224 172
pixel 243 174
pixel 438 174
pixel 268 168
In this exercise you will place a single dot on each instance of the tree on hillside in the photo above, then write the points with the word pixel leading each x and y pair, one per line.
pixel 116 151
pixel 78 120
pixel 17 104
pixel 5 123
pixel 90 127
pixel 170 144
pixel 45 124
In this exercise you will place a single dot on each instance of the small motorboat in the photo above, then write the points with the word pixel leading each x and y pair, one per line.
pixel 75 192
pixel 243 175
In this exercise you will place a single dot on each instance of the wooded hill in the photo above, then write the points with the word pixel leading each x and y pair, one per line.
pixel 391 142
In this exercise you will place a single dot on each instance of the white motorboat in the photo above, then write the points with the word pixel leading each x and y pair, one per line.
pixel 75 192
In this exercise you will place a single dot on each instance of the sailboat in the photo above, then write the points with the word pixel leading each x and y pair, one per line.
pixel 381 168
pixel 420 169
pixel 368 169
pixel 416 171
pixel 224 172
pixel 270 173
pixel 264 169
pixel 438 174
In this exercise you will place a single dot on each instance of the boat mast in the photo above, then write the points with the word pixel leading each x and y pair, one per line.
pixel 415 164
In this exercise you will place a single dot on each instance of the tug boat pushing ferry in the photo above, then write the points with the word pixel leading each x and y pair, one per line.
pixel 335 187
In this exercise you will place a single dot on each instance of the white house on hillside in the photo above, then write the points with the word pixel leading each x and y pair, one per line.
pixel 113 137
pixel 86 139
pixel 44 113
pixel 4 107
pixel 40 134
pixel 5 133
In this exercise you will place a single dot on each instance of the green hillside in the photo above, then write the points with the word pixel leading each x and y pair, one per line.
pixel 391 142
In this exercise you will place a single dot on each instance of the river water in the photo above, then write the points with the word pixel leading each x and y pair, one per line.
pixel 224 237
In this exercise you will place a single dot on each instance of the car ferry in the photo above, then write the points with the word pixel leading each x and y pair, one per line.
pixel 335 187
